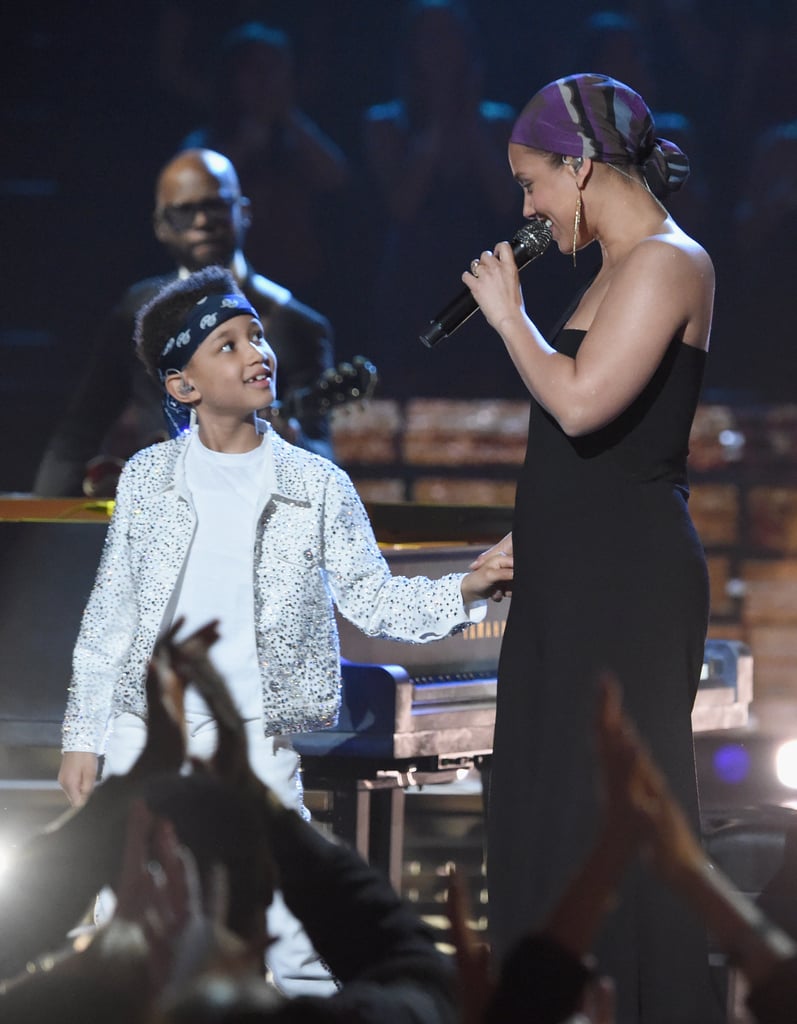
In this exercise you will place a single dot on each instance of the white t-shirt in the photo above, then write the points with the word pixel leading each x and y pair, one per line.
pixel 228 492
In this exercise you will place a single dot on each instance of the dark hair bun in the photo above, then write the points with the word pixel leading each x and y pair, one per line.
pixel 665 168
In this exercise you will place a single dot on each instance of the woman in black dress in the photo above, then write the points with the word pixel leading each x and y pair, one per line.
pixel 609 572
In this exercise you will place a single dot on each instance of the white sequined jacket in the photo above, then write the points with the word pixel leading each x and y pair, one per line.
pixel 314 547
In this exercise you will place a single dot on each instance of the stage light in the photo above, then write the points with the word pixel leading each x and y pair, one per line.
pixel 786 764
pixel 731 763
pixel 7 852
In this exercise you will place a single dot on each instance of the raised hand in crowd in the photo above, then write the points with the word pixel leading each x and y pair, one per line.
pixel 765 955
pixel 471 953
pixel 60 870
pixel 165 747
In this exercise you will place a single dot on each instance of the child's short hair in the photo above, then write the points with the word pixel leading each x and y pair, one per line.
pixel 166 313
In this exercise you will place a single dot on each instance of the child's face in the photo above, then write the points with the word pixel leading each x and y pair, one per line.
pixel 233 372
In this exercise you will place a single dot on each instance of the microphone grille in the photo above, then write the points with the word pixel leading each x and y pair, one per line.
pixel 532 238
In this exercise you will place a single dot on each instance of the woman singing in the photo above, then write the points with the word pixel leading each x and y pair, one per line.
pixel 609 572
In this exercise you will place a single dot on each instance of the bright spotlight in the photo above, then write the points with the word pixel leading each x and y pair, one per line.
pixel 6 856
pixel 786 764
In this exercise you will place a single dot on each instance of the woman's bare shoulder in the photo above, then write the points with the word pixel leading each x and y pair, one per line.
pixel 672 247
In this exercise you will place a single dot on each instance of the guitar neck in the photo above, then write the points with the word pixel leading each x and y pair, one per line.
pixel 338 386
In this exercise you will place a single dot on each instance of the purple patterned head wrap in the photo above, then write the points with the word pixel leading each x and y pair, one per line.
pixel 598 117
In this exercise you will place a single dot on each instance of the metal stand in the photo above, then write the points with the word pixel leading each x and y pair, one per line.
pixel 368 813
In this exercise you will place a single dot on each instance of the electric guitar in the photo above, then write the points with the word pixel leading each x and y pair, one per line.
pixel 337 386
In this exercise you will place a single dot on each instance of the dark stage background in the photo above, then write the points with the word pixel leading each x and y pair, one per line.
pixel 97 97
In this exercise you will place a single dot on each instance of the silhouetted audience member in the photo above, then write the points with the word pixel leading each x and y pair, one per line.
pixel 288 166
pixel 549 975
pixel 754 311
pixel 188 939
pixel 436 154
pixel 614 43
pixel 758 45
pixel 202 854
pixel 202 220
pixel 618 44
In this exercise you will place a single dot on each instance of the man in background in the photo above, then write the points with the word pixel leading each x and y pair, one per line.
pixel 201 218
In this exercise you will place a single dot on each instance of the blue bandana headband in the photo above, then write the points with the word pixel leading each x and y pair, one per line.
pixel 208 314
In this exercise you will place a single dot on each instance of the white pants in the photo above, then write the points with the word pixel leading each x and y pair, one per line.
pixel 295 965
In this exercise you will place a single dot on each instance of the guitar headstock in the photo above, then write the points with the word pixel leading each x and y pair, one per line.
pixel 337 386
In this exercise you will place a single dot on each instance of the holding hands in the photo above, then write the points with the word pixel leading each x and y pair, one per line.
pixel 491 573
pixel 490 576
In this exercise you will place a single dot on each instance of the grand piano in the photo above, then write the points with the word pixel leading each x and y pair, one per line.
pixel 411 714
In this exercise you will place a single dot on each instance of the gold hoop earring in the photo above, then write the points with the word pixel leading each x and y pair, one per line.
pixel 576 225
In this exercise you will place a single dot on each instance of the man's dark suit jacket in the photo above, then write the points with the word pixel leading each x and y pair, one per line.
pixel 115 378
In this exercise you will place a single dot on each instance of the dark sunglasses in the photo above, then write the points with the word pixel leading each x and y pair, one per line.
pixel 181 216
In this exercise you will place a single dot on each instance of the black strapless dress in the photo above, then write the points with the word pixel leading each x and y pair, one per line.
pixel 609 573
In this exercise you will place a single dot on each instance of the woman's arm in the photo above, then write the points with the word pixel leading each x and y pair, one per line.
pixel 661 291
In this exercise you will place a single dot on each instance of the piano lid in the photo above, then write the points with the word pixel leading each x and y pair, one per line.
pixel 404 522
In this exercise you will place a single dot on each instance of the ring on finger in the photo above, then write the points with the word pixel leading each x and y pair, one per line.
pixel 473 267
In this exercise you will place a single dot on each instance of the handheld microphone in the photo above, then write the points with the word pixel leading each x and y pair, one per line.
pixel 529 242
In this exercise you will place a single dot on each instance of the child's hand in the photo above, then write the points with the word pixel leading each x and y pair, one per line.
pixel 78 775
pixel 492 578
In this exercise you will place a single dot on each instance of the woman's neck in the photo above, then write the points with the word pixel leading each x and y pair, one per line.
pixel 629 226
pixel 622 212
